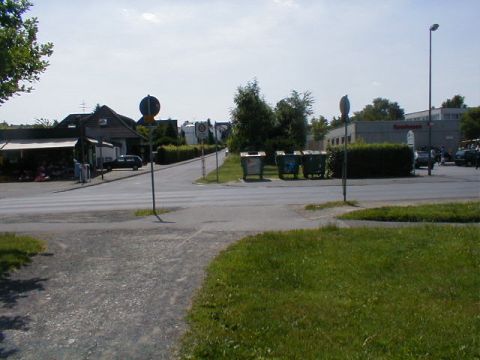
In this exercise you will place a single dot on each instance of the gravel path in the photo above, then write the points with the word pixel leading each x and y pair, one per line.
pixel 115 293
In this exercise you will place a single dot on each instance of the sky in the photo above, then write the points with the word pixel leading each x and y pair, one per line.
pixel 194 54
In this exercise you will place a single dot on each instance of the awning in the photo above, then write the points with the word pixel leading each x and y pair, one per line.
pixel 29 144
pixel 97 143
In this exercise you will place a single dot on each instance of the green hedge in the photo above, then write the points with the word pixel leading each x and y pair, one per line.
pixel 169 154
pixel 370 160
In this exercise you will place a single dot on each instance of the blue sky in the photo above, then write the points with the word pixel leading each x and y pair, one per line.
pixel 193 55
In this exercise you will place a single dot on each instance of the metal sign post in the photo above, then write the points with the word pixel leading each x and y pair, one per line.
pixel 344 109
pixel 411 145
pixel 149 107
pixel 201 130
pixel 216 148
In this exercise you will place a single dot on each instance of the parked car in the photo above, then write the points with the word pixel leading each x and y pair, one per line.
pixel 465 157
pixel 421 159
pixel 124 162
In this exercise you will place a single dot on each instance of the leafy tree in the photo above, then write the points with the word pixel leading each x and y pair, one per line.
pixel 252 119
pixel 319 128
pixel 22 58
pixel 470 123
pixel 336 122
pixel 291 117
pixel 4 125
pixel 381 109
pixel 457 102
pixel 97 108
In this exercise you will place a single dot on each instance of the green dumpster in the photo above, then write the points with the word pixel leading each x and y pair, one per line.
pixel 313 162
pixel 288 163
pixel 252 163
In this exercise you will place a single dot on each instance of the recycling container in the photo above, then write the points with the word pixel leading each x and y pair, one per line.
pixel 288 163
pixel 252 163
pixel 313 162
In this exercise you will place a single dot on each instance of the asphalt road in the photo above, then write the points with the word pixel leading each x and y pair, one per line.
pixel 113 286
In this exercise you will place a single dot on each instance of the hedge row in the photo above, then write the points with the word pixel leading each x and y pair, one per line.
pixel 169 154
pixel 370 160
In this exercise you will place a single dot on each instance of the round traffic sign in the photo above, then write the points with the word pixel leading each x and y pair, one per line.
pixel 149 106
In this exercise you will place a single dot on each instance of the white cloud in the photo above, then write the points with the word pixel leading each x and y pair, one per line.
pixel 151 18
pixel 287 3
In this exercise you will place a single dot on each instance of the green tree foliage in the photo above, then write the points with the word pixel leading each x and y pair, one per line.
pixel 252 119
pixel 381 109
pixel 336 122
pixel 291 115
pixel 22 58
pixel 470 123
pixel 319 127
pixel 456 102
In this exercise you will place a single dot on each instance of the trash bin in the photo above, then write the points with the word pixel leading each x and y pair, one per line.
pixel 288 163
pixel 252 163
pixel 313 162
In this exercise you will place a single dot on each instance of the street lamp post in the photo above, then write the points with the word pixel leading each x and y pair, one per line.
pixel 432 28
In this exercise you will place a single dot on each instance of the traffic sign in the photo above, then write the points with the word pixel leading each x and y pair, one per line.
pixel 149 106
pixel 201 130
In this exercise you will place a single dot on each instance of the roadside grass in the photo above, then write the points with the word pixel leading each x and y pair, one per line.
pixel 466 212
pixel 16 251
pixel 231 170
pixel 331 204
pixel 330 293
pixel 149 212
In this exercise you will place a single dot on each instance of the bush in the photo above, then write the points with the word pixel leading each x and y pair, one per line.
pixel 370 160
pixel 170 154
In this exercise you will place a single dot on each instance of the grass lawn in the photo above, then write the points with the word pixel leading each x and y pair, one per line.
pixel 330 204
pixel 467 212
pixel 231 170
pixel 16 251
pixel 149 212
pixel 361 293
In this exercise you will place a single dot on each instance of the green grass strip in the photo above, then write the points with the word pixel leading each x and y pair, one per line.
pixel 16 251
pixel 468 212
pixel 331 204
pixel 231 170
pixel 362 293
pixel 149 212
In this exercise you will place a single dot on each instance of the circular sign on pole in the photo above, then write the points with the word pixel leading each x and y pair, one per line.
pixel 149 106
pixel 344 106
pixel 201 129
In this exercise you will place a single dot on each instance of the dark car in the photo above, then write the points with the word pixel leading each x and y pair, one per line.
pixel 421 159
pixel 465 157
pixel 124 162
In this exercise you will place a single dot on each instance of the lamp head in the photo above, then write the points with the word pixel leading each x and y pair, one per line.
pixel 434 27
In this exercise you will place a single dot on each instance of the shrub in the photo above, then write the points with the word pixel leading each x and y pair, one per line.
pixel 370 160
pixel 170 154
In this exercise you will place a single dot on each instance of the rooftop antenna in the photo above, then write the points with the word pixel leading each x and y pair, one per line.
pixel 83 106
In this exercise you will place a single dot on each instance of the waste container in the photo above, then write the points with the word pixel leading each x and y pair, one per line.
pixel 252 163
pixel 288 163
pixel 313 162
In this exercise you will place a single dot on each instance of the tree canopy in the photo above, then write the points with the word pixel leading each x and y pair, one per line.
pixel 470 123
pixel 380 109
pixel 291 117
pixel 256 126
pixel 319 127
pixel 252 119
pixel 22 58
pixel 456 102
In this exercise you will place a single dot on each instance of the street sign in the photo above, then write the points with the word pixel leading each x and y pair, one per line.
pixel 344 106
pixel 201 130
pixel 148 119
pixel 149 106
